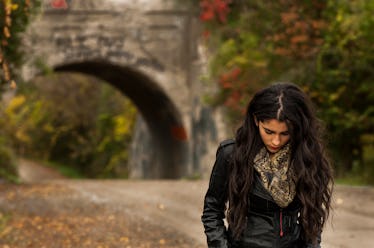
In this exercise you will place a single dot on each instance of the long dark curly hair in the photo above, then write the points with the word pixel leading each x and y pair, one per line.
pixel 313 173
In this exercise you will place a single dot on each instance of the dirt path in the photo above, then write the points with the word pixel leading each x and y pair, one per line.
pixel 68 213
pixel 179 204
pixel 165 213
pixel 30 171
pixel 353 218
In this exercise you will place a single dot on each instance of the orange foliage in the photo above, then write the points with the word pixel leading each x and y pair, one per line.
pixel 227 79
pixel 289 17
pixel 214 10
pixel 299 36
pixel 233 99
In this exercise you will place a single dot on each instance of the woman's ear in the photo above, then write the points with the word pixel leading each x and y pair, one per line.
pixel 256 121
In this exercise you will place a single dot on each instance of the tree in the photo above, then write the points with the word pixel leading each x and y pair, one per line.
pixel 344 83
pixel 324 46
pixel 74 120
pixel 14 17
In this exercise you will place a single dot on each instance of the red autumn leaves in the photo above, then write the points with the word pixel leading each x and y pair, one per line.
pixel 59 4
pixel 230 81
pixel 293 31
pixel 217 11
pixel 301 36
pixel 214 10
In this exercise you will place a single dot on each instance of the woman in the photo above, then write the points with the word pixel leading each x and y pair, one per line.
pixel 275 176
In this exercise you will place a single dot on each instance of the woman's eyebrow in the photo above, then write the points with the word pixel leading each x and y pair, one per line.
pixel 269 130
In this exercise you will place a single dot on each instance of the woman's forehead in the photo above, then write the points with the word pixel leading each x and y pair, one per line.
pixel 275 125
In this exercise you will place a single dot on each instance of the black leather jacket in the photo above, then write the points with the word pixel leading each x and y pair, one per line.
pixel 268 225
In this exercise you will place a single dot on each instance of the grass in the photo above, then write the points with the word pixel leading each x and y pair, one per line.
pixel 193 177
pixel 66 171
pixel 351 180
pixel 4 174
pixel 369 164
pixel 362 175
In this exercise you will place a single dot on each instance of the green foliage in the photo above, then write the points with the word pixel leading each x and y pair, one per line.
pixel 85 124
pixel 15 15
pixel 261 42
pixel 8 168
pixel 344 87
pixel 65 170
pixel 324 46
pixel 368 169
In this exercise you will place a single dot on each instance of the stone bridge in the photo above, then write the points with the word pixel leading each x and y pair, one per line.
pixel 149 50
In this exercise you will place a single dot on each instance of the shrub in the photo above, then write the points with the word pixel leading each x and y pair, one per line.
pixel 8 166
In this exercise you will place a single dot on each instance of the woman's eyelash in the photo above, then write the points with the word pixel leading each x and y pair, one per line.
pixel 271 132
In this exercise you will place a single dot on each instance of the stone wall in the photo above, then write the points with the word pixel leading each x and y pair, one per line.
pixel 148 49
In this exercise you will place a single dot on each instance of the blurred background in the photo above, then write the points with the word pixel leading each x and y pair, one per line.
pixel 146 89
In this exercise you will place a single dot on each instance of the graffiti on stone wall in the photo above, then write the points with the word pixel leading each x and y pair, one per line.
pixel 204 130
pixel 86 47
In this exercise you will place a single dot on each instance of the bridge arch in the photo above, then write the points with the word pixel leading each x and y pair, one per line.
pixel 153 54
pixel 167 151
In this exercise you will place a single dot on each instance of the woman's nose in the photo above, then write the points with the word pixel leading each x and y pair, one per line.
pixel 276 140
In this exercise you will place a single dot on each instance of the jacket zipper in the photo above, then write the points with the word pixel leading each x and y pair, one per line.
pixel 280 223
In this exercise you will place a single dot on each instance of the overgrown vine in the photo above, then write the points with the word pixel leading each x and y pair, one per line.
pixel 14 17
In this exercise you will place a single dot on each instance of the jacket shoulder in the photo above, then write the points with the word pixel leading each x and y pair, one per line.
pixel 227 146
pixel 228 142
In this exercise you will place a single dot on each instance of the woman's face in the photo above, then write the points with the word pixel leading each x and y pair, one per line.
pixel 274 134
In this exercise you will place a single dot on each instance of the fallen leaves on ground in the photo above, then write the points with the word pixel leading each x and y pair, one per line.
pixel 38 216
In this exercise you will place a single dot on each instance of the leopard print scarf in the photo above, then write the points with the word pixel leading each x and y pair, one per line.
pixel 276 174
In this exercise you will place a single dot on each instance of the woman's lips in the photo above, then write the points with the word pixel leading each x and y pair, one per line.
pixel 274 148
